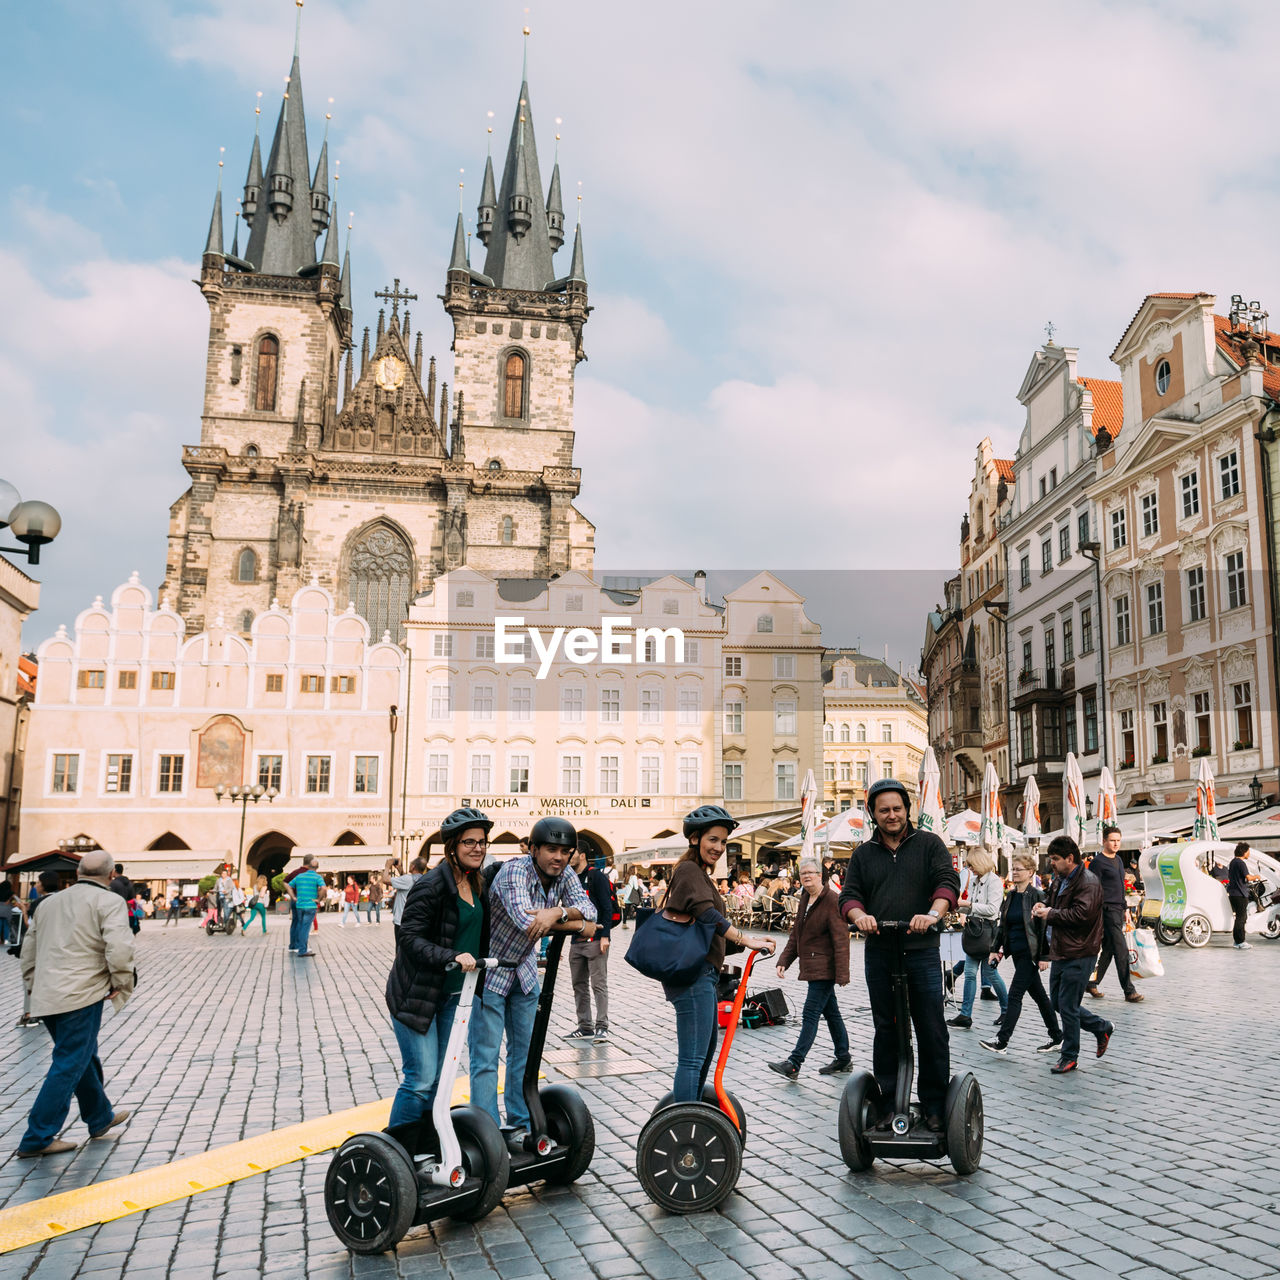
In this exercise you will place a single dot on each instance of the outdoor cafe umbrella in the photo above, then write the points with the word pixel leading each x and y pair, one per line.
pixel 1031 811
pixel 929 815
pixel 1073 814
pixel 991 834
pixel 810 816
pixel 1206 824
pixel 1108 814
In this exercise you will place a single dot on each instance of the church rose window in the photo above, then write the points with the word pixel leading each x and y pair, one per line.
pixel 379 581
pixel 513 386
pixel 268 363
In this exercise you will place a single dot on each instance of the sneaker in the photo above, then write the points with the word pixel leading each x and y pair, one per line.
pixel 1095 993
pixel 578 1034
pixel 1050 1046
pixel 1062 1066
pixel 960 1021
pixel 994 1046
pixel 1134 997
pixel 515 1140
pixel 988 994
pixel 1243 946
pixel 785 1068
pixel 998 1021
pixel 602 1034
pixel 1104 1039
pixel 836 1067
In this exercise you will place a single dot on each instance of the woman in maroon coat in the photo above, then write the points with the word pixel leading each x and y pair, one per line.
pixel 820 941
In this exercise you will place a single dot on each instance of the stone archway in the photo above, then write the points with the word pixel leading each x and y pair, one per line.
pixel 348 838
pixel 269 855
pixel 168 841
pixel 598 850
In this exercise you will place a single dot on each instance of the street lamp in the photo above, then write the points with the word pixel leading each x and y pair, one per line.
pixel 393 720
pixel 32 523
pixel 77 845
pixel 1255 791
pixel 1088 808
pixel 406 838
pixel 244 794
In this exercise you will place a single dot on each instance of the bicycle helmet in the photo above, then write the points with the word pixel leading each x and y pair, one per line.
pixel 879 787
pixel 460 819
pixel 554 831
pixel 705 816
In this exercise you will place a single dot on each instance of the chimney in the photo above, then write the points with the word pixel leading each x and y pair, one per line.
pixel 700 584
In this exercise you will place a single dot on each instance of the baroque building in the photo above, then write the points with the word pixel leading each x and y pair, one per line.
pixel 360 471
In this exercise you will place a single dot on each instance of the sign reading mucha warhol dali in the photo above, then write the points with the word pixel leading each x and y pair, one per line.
pixel 221 757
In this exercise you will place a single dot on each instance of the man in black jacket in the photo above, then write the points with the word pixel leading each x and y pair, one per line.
pixel 1073 914
pixel 122 885
pixel 589 958
pixel 1108 866
pixel 903 874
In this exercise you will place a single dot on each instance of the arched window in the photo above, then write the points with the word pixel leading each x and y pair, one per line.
pixel 495 464
pixel 246 620
pixel 862 733
pixel 513 386
pixel 828 733
pixel 268 367
pixel 251 451
pixel 247 566
pixel 379 576
pixel 844 679
pixel 508 531
pixel 844 733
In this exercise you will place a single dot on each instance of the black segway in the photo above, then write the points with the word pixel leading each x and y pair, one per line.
pixel 562 1136
pixel 452 1164
pixel 894 1128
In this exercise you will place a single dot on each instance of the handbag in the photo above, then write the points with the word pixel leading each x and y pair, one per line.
pixel 979 937
pixel 670 948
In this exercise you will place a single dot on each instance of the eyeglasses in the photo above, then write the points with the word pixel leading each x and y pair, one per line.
pixel 473 844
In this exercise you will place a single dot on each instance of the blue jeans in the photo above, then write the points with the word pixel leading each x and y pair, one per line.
pixel 73 1069
pixel 423 1054
pixel 924 997
pixel 300 929
pixel 819 1003
pixel 492 1015
pixel 696 1034
pixel 369 909
pixel 1067 981
pixel 351 909
pixel 990 977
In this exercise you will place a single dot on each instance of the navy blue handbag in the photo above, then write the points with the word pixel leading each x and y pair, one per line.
pixel 670 948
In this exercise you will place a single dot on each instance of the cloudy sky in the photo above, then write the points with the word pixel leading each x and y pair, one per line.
pixel 822 240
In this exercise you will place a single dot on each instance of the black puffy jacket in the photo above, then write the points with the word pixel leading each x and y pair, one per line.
pixel 1032 928
pixel 415 986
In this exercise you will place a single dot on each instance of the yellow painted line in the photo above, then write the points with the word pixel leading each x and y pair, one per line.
pixel 56 1215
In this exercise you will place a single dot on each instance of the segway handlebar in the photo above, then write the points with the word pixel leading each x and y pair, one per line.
pixel 882 925
pixel 487 962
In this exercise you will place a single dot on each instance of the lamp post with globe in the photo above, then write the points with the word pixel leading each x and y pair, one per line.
pixel 243 795
pixel 33 523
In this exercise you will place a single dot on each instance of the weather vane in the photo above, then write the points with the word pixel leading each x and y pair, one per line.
pixel 1050 330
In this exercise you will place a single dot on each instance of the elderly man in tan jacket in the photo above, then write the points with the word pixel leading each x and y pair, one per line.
pixel 77 954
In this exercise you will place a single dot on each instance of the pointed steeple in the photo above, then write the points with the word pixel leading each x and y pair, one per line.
pixel 487 209
pixel 253 180
pixel 320 187
pixel 555 208
pixel 417 360
pixel 346 275
pixel 577 272
pixel 458 262
pixel 213 244
pixel 431 379
pixel 519 248
pixel 330 254
pixel 235 236
pixel 364 352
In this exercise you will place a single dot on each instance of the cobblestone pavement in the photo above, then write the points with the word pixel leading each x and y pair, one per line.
pixel 1158 1161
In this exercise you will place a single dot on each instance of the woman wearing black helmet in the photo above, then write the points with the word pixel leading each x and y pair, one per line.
pixel 692 893
pixel 446 920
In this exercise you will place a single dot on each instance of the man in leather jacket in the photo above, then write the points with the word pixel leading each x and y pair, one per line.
pixel 1072 913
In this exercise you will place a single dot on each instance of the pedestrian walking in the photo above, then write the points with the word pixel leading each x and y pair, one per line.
pixel 589 957
pixel 820 941
pixel 1108 867
pixel 174 911
pixel 982 915
pixel 1238 879
pixel 691 894
pixel 257 905
pixel 78 953
pixel 530 898
pixel 373 902
pixel 445 921
pixel 1072 912
pixel 902 873
pixel 400 883
pixel 1021 937
pixel 350 903
pixel 46 885
pixel 122 885
pixel 305 891
pixel 632 895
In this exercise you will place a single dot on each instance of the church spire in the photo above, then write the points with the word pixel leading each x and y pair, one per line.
pixel 213 243
pixel 487 209
pixel 253 179
pixel 346 275
pixel 577 272
pixel 555 205
pixel 458 262
pixel 320 185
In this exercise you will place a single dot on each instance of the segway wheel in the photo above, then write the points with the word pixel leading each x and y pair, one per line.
pixel 571 1125
pixel 209 928
pixel 370 1193
pixel 229 926
pixel 1168 936
pixel 859 1107
pixel 709 1097
pixel 484 1156
pixel 688 1158
pixel 964 1124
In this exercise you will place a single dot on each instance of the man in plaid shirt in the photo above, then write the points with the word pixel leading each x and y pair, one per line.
pixel 530 897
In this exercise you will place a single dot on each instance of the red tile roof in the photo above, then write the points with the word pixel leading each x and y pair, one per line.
pixel 1004 469
pixel 1108 404
pixel 1229 344
pixel 26 674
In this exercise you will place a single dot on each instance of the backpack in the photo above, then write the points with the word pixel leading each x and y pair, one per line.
pixel 615 916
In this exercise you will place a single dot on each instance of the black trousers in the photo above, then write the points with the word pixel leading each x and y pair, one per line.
pixel 924 998
pixel 1026 981
pixel 1115 947
pixel 1241 908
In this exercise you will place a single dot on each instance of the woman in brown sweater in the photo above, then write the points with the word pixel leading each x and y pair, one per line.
pixel 692 893
pixel 820 940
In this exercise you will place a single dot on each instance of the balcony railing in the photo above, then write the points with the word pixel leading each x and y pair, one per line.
pixel 1037 679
